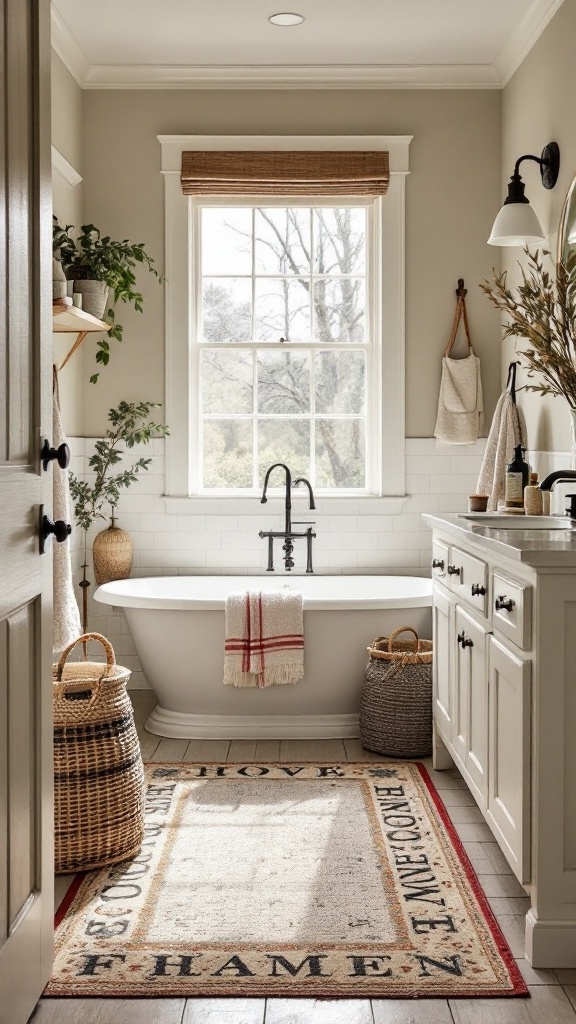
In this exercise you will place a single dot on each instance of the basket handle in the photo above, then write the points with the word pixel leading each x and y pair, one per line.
pixel 402 629
pixel 110 656
pixel 89 686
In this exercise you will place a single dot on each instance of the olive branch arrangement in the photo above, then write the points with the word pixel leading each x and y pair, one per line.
pixel 130 425
pixel 542 312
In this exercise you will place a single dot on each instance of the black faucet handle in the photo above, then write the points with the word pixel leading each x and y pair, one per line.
pixel 572 510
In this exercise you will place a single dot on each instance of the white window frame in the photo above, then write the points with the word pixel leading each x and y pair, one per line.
pixel 387 438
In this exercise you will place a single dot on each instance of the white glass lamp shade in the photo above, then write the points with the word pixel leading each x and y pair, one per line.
pixel 516 224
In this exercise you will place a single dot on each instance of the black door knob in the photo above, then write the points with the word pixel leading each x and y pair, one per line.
pixel 478 590
pixel 60 529
pixel 61 454
pixel 438 563
pixel 453 570
pixel 503 603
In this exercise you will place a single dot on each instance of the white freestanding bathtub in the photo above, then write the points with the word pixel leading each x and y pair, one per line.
pixel 177 623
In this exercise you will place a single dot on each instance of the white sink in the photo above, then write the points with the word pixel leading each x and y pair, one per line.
pixel 501 521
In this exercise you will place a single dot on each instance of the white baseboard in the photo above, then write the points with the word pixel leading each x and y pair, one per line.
pixel 550 943
pixel 177 725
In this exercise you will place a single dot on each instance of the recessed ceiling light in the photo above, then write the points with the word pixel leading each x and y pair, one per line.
pixel 286 19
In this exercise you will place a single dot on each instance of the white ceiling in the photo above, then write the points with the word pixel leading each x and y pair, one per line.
pixel 342 43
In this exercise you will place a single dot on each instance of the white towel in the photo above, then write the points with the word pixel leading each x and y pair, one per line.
pixel 460 403
pixel 264 638
pixel 507 430
pixel 66 614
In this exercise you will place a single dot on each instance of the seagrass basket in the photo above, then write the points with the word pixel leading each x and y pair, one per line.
pixel 396 702
pixel 98 771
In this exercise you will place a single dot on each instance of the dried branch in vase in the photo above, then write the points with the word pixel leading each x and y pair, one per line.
pixel 542 312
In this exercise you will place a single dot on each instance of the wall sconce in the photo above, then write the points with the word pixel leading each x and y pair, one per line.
pixel 516 223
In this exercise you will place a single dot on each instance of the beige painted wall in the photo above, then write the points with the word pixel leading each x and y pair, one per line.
pixel 452 194
pixel 67 205
pixel 538 107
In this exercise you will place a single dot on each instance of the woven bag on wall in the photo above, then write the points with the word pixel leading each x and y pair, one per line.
pixel 98 771
pixel 396 702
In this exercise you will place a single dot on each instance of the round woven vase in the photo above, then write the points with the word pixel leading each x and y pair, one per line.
pixel 112 555
pixel 94 296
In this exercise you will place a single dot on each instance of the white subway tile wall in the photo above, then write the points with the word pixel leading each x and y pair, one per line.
pixel 438 479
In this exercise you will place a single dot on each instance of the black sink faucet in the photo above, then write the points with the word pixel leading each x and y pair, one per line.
pixel 558 474
pixel 288 533
pixel 287 496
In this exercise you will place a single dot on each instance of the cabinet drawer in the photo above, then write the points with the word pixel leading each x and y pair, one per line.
pixel 440 562
pixel 468 578
pixel 512 610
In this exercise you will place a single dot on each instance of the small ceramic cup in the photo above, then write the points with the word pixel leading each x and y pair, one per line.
pixel 477 502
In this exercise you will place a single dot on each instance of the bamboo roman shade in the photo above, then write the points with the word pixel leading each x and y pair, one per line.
pixel 305 173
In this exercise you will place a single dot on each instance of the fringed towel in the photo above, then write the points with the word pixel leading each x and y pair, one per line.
pixel 264 638
pixel 507 430
pixel 66 614
pixel 460 402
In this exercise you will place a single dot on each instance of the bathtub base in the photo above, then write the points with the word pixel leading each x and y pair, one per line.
pixel 178 725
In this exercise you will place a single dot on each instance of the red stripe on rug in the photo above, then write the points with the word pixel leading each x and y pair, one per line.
pixel 68 898
pixel 520 987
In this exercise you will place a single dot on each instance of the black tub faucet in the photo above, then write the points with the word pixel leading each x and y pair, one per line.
pixel 288 533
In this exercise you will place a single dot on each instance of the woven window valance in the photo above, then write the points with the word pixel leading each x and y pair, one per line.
pixel 305 173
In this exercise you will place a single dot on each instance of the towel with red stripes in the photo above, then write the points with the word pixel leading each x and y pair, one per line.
pixel 264 638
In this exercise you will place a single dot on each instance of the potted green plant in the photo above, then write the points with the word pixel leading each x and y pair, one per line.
pixel 98 265
pixel 112 548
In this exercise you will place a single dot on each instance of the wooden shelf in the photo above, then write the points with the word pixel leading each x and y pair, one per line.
pixel 69 319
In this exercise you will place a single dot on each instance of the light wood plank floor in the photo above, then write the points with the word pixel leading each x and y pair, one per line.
pixel 553 992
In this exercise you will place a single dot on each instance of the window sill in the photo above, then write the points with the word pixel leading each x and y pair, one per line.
pixel 389 505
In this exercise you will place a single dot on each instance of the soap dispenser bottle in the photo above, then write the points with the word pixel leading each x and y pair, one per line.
pixel 517 475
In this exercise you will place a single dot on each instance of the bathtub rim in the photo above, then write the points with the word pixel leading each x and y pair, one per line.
pixel 107 594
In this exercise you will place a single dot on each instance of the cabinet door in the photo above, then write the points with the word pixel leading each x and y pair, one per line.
pixel 509 705
pixel 443 615
pixel 471 701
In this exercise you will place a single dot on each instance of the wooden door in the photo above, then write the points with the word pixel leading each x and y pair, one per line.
pixel 509 754
pixel 26 872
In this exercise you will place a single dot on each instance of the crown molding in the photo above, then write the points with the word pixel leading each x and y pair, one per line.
pixel 518 46
pixel 65 44
pixel 325 76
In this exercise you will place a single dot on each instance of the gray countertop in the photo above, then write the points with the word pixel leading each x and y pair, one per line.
pixel 538 548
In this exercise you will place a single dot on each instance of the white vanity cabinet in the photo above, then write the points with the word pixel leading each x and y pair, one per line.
pixel 504 619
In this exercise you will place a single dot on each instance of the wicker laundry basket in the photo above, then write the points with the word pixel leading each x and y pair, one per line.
pixel 98 771
pixel 396 702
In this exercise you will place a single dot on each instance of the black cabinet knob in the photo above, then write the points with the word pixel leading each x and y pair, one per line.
pixel 467 642
pixel 478 590
pixel 460 638
pixel 61 454
pixel 438 563
pixel 60 529
pixel 503 603
pixel 453 570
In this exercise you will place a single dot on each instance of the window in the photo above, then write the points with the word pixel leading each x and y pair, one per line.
pixel 285 344
pixel 330 398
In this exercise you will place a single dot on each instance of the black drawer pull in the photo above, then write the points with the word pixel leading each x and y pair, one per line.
pixel 478 590
pixel 438 563
pixel 464 640
pixel 503 603
pixel 453 570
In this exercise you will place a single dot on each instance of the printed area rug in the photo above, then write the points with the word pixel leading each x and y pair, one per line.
pixel 318 880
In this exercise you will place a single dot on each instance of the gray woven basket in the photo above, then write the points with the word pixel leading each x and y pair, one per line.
pixel 396 702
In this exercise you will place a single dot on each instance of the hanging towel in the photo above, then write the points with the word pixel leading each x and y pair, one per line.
pixel 264 638
pixel 66 614
pixel 460 404
pixel 507 430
